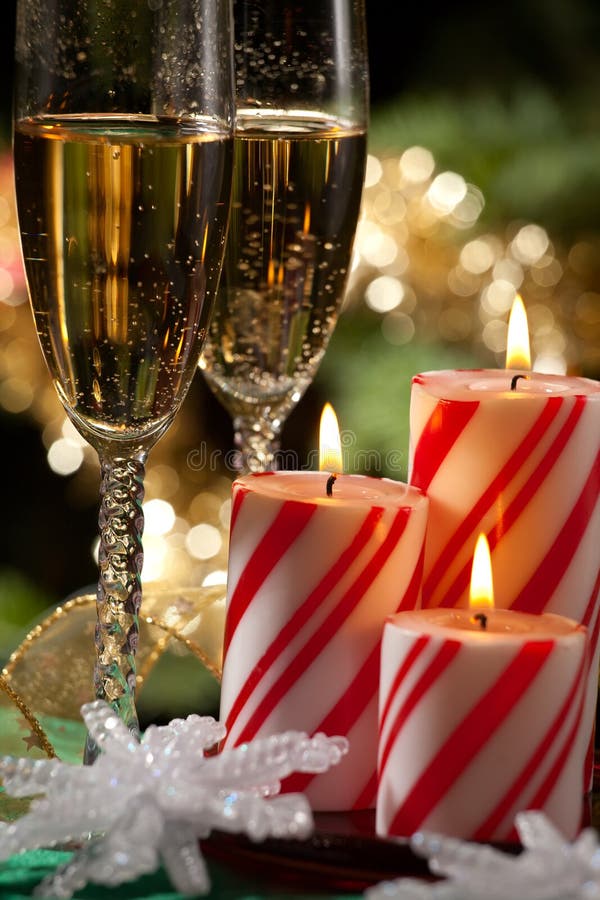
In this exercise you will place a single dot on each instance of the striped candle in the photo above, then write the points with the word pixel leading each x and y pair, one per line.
pixel 523 466
pixel 311 580
pixel 477 725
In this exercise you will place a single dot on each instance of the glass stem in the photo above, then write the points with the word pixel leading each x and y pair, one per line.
pixel 121 524
pixel 258 440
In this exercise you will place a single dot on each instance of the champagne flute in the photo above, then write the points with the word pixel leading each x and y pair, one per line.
pixel 123 161
pixel 300 148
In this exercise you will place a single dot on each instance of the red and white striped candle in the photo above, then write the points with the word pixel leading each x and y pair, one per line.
pixel 479 724
pixel 311 580
pixel 521 465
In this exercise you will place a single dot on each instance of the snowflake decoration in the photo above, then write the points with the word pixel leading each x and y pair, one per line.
pixel 151 801
pixel 549 868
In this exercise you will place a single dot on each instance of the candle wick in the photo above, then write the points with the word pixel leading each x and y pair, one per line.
pixel 514 380
pixel 330 483
pixel 482 619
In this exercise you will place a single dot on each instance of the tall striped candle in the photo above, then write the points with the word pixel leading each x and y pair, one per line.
pixel 311 580
pixel 522 465
pixel 477 724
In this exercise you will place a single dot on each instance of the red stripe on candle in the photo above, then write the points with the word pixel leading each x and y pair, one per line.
pixel 326 632
pixel 239 494
pixel 413 654
pixel 368 796
pixel 445 426
pixel 411 594
pixel 288 524
pixel 465 742
pixel 346 712
pixel 592 602
pixel 354 701
pixel 511 798
pixel 519 502
pixel 551 779
pixel 305 611
pixel 439 664
pixel 539 589
pixel 487 500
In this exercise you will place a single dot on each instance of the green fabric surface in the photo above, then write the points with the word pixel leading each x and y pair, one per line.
pixel 67 737
pixel 20 875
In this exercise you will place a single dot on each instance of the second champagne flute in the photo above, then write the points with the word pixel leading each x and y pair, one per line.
pixel 300 149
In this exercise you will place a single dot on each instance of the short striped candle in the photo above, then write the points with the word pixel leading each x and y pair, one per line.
pixel 311 581
pixel 523 466
pixel 477 725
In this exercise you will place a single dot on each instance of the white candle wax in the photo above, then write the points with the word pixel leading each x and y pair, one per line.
pixel 478 724
pixel 311 580
pixel 511 382
pixel 505 625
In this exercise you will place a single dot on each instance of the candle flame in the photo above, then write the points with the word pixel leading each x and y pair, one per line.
pixel 482 584
pixel 330 447
pixel 518 354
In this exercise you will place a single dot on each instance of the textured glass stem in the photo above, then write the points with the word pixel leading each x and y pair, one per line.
pixel 257 439
pixel 121 524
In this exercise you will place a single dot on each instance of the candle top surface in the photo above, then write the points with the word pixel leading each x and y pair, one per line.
pixel 471 384
pixel 500 624
pixel 347 489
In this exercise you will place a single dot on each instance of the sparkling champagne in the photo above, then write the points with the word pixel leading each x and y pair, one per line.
pixel 122 224
pixel 296 197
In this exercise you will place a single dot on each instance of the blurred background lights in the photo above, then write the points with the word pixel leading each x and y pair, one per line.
pixel 64 456
pixel 547 271
pixel 416 165
pixel 398 328
pixel 477 256
pixel 219 576
pixel 70 433
pixel 494 335
pixel 157 558
pixel 508 270
pixel 159 517
pixel 550 365
pixel 388 208
pixel 468 210
pixel 373 171
pixel 6 285
pixel 446 191
pixel 541 320
pixel 225 513
pixel 530 243
pixel 203 541
pixel 16 394
pixel 161 480
pixel 497 297
pixel 377 247
pixel 384 294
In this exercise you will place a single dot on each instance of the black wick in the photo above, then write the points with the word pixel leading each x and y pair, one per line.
pixel 514 380
pixel 330 483
pixel 481 617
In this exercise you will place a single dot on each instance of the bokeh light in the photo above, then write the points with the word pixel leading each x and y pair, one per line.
pixel 427 267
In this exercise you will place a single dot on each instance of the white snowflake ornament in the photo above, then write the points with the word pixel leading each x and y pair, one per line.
pixel 549 868
pixel 150 801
